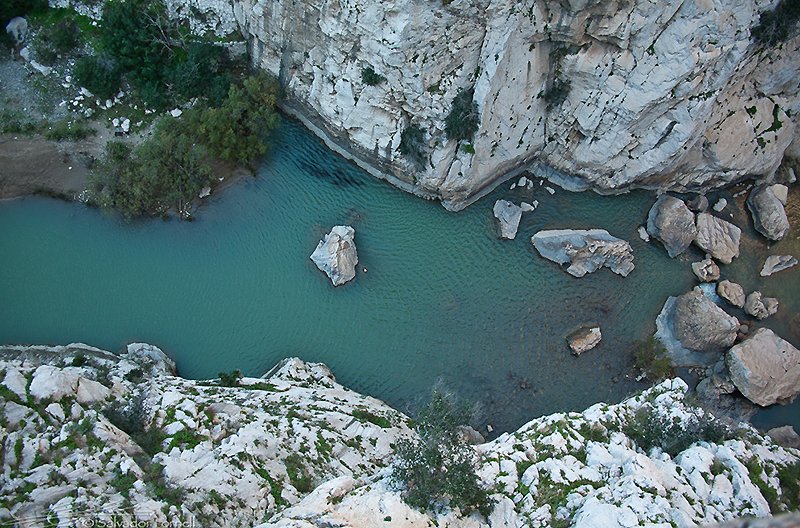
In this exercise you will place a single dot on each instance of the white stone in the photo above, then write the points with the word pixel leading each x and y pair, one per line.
pixel 721 204
pixel 177 112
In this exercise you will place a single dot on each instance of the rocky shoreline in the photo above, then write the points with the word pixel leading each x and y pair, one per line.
pixel 89 434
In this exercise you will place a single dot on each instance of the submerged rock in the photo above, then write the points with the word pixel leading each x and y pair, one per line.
pixel 759 307
pixel 731 292
pixel 336 255
pixel 706 270
pixel 785 436
pixel 717 237
pixel 765 368
pixel 585 250
pixel 509 215
pixel 584 339
pixel 702 325
pixel 769 217
pixel 672 223
pixel 776 263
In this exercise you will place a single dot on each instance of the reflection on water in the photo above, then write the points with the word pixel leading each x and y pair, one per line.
pixel 443 298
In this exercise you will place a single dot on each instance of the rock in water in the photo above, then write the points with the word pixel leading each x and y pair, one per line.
pixel 706 270
pixel 721 204
pixel 717 237
pixel 585 250
pixel 336 255
pixel 776 263
pixel 731 292
pixel 584 339
pixel 769 217
pixel 702 325
pixel 759 307
pixel 671 222
pixel 765 368
pixel 785 436
pixel 509 215
pixel 698 204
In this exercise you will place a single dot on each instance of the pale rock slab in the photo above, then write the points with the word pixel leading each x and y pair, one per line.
pixel 336 255
pixel 732 292
pixel 706 270
pixel 584 339
pixel 508 215
pixel 585 250
pixel 717 237
pixel 765 368
pixel 776 263
pixel 760 307
pixel 769 216
pixel 672 223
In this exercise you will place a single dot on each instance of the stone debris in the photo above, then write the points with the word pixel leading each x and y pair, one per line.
pixel 706 270
pixel 508 215
pixel 585 251
pixel 759 307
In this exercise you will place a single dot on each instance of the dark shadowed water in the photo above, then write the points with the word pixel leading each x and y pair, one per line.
pixel 443 297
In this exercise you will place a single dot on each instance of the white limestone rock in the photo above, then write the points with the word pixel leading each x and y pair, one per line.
pixel 717 237
pixel 508 215
pixel 732 292
pixel 585 251
pixel 776 263
pixel 769 216
pixel 336 255
pixel 706 270
pixel 765 368
pixel 672 223
pixel 17 29
pixel 760 307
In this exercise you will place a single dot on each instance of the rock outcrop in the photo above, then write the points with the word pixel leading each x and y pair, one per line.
pixel 584 339
pixel 585 250
pixel 760 307
pixel 776 263
pixel 706 270
pixel 717 237
pixel 336 255
pixel 508 216
pixel 769 217
pixel 702 325
pixel 765 368
pixel 672 223
pixel 731 292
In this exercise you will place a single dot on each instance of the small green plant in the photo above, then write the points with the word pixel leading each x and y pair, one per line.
pixel 57 39
pixel 651 358
pixel 650 428
pixel 777 25
pixel 438 468
pixel 790 485
pixel 463 120
pixel 69 130
pixel 370 77
pixel 230 379
pixel 185 438
pixel 366 416
pixel 298 473
pixel 79 360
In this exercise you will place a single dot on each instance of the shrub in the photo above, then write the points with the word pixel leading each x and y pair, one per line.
pixel 98 74
pixel 201 73
pixel 651 358
pixel 438 468
pixel 649 429
pixel 298 473
pixel 230 379
pixel 366 416
pixel 69 130
pixel 777 25
pixel 132 418
pixel 412 144
pixel 56 39
pixel 462 121
pixel 370 77
pixel 557 92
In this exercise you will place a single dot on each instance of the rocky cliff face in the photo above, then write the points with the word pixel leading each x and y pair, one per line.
pixel 88 435
pixel 669 95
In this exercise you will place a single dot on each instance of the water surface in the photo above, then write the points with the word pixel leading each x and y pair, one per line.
pixel 443 298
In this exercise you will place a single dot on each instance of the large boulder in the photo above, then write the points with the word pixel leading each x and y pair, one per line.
pixel 776 263
pixel 769 217
pixel 336 255
pixel 765 368
pixel 731 292
pixel 509 215
pixel 583 339
pixel 671 222
pixel 17 29
pixel 717 237
pixel 706 270
pixel 760 307
pixel 585 250
pixel 702 325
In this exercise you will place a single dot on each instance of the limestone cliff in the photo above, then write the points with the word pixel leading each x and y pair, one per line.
pixel 89 436
pixel 655 94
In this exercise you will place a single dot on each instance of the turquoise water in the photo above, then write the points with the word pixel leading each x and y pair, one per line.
pixel 443 297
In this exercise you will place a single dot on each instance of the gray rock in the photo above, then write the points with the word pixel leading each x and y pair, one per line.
pixel 721 204
pixel 759 307
pixel 585 250
pixel 769 217
pixel 785 436
pixel 336 255
pixel 17 29
pixel 702 325
pixel 717 237
pixel 584 339
pixel 731 292
pixel 781 192
pixel 145 353
pixel 706 270
pixel 776 263
pixel 717 393
pixel 698 204
pixel 642 231
pixel 509 215
pixel 765 368
pixel 672 223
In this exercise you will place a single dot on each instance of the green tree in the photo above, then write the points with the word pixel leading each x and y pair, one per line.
pixel 463 120
pixel 437 469
pixel 98 74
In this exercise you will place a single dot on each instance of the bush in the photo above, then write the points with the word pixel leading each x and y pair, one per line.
pixel 69 130
pixel 438 468
pixel 649 429
pixel 370 77
pixel 463 120
pixel 56 39
pixel 230 379
pixel 651 358
pixel 557 92
pixel 777 25
pixel 132 418
pixel 201 73
pixel 412 144
pixel 98 74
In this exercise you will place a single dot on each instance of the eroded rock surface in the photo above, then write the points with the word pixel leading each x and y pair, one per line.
pixel 706 270
pixel 766 208
pixel 336 255
pixel 584 339
pixel 508 215
pixel 585 250
pixel 702 325
pixel 717 237
pixel 760 307
pixel 731 292
pixel 672 223
pixel 776 263
pixel 765 368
